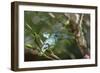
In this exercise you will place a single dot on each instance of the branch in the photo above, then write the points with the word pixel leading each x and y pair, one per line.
pixel 80 37
pixel 53 55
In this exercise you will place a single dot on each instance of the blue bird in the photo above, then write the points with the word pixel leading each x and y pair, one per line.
pixel 51 40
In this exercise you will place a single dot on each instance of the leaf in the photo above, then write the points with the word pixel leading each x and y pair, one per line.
pixel 28 45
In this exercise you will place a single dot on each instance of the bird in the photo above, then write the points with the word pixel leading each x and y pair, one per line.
pixel 51 40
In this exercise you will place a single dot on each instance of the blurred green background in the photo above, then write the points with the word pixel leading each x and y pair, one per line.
pixel 51 29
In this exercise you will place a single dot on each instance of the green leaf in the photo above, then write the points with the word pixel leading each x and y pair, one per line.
pixel 28 45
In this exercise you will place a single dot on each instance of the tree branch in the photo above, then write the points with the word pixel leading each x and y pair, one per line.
pixel 80 36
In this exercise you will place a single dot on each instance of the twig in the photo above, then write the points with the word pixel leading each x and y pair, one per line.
pixel 48 57
pixel 53 55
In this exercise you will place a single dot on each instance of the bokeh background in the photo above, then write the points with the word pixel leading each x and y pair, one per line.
pixel 55 35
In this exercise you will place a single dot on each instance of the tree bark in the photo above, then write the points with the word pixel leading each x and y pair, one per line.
pixel 76 29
